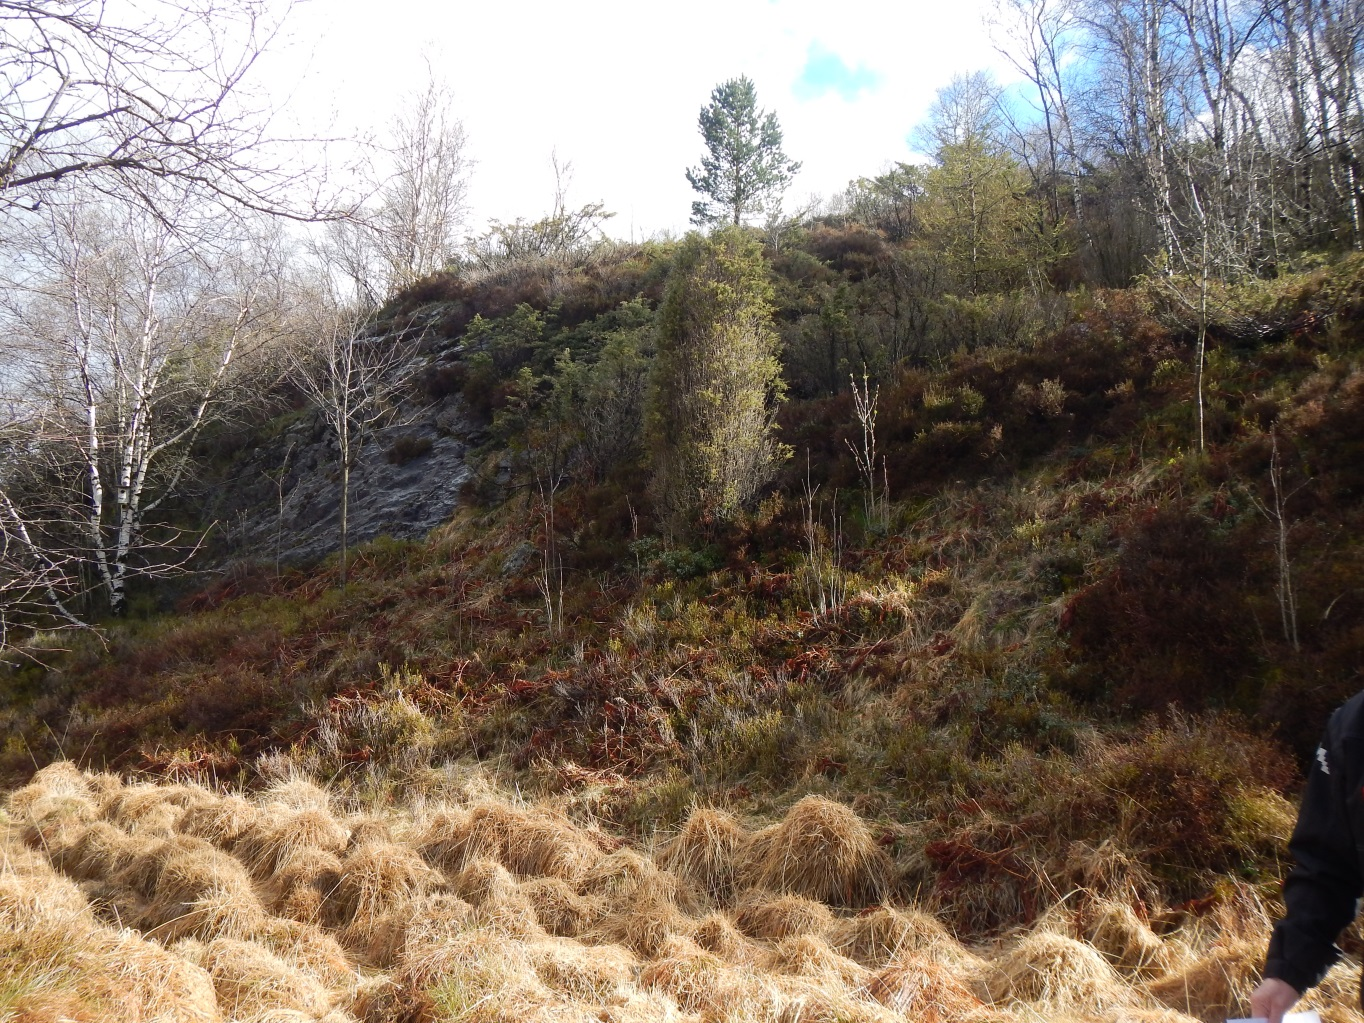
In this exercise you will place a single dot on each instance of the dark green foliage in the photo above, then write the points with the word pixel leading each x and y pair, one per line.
pixel 716 381
pixel 744 170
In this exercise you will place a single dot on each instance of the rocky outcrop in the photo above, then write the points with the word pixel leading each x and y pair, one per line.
pixel 281 497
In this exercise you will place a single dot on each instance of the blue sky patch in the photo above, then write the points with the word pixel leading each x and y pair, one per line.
pixel 825 72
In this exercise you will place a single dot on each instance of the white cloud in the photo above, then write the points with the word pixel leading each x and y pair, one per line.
pixel 615 87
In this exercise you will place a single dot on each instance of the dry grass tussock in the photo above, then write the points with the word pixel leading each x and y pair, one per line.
pixel 1052 971
pixel 761 915
pixel 58 962
pixel 530 843
pixel 875 937
pixel 821 850
pixel 176 903
pixel 923 989
pixel 707 851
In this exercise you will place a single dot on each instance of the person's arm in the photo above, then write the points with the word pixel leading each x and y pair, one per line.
pixel 1319 892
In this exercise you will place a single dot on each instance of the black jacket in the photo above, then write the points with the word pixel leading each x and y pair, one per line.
pixel 1328 853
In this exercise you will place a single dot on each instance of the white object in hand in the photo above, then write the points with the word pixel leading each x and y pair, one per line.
pixel 1310 1016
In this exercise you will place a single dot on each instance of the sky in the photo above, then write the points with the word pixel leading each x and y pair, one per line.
pixel 614 88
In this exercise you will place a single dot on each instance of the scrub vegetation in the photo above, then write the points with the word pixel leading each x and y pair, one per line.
pixel 917 607
pixel 1033 752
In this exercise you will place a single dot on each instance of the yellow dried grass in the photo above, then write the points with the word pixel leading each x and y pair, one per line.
pixel 274 838
pixel 216 914
pixel 221 821
pixel 483 965
pixel 434 920
pixel 202 892
pixel 32 893
pixel 97 851
pixel 875 937
pixel 303 883
pixel 157 985
pixel 296 794
pixel 377 999
pixel 1054 971
pixel 802 1000
pixel 145 809
pixel 1336 997
pixel 1217 984
pixel 376 941
pixel 250 980
pixel 515 917
pixel 716 933
pixel 308 948
pixel 58 782
pixel 643 927
pixel 698 980
pixel 596 974
pixel 58 962
pixel 440 839
pixel 923 990
pixel 560 910
pixel 1126 940
pixel 189 872
pixel 627 876
pixel 707 851
pixel 482 879
pixel 536 843
pixel 821 850
pixel 378 879
pixel 365 829
pixel 762 915
pixel 808 955
pixel 1107 872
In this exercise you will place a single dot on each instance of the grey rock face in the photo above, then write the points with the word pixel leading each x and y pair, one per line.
pixel 282 500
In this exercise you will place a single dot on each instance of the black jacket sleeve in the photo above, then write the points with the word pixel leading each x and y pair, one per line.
pixel 1321 889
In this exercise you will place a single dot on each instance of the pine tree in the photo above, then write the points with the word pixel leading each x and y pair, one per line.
pixel 716 381
pixel 745 168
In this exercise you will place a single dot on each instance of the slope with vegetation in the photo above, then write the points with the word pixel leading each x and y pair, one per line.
pixel 1033 685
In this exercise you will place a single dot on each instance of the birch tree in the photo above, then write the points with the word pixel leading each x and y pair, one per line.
pixel 129 326
pixel 412 223
pixel 122 96
pixel 353 380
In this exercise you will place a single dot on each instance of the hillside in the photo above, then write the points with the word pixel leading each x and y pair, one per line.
pixel 1014 734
